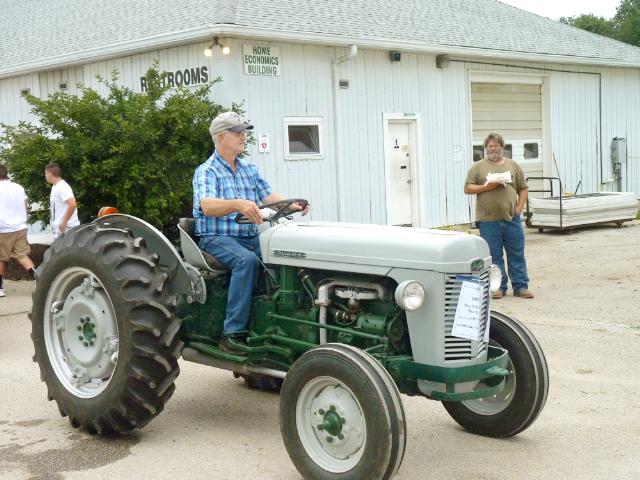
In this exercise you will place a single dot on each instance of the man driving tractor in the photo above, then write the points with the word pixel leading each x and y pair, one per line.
pixel 223 186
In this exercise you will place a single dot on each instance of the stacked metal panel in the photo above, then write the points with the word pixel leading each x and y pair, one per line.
pixel 586 209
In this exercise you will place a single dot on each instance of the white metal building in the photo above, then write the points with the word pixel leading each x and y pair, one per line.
pixel 373 110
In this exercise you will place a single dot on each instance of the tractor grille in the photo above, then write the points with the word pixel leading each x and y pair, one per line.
pixel 460 348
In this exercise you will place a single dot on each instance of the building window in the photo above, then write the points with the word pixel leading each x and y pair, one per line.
pixel 478 153
pixel 303 138
pixel 530 150
pixel 508 150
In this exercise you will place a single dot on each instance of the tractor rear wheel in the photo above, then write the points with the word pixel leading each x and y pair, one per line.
pixel 515 408
pixel 104 329
pixel 341 416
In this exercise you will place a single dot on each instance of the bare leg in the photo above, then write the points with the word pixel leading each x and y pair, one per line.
pixel 26 263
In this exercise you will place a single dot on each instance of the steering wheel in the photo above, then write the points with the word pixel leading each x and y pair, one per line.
pixel 281 207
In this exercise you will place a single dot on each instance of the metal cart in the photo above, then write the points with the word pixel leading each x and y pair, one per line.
pixel 562 200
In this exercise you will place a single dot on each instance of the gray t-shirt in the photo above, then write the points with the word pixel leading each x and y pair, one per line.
pixel 500 203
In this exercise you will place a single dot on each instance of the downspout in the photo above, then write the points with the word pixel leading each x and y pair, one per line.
pixel 353 51
pixel 600 140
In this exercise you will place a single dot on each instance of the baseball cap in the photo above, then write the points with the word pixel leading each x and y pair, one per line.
pixel 229 121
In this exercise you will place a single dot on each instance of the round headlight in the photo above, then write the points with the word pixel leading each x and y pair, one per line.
pixel 410 295
pixel 495 278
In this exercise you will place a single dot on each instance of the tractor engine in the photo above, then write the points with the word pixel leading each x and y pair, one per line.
pixel 300 307
pixel 357 310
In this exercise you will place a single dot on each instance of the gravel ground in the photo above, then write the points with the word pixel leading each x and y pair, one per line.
pixel 585 316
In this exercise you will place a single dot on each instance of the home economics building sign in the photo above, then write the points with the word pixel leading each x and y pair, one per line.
pixel 261 60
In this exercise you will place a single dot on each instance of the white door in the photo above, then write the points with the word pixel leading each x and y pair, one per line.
pixel 399 155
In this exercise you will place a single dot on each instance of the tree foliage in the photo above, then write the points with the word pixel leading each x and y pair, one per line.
pixel 136 151
pixel 628 22
pixel 591 23
pixel 624 26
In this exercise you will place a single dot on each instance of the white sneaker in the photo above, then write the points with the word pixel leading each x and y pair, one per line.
pixel 2 293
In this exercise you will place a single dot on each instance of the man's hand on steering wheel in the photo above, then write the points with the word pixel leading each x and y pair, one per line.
pixel 300 206
pixel 282 208
pixel 250 211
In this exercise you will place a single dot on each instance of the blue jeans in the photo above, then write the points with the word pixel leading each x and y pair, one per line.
pixel 510 237
pixel 242 256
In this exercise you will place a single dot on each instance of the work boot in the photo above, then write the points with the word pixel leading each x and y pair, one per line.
pixel 524 293
pixel 233 343
pixel 498 294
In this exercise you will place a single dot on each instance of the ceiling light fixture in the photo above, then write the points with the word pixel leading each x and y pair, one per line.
pixel 208 52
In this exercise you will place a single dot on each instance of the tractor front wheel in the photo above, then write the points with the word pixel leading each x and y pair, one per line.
pixel 515 408
pixel 341 416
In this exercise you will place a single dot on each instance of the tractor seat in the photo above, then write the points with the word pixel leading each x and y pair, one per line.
pixel 192 253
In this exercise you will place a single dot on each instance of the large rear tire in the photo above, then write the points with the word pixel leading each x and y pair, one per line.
pixel 341 416
pixel 104 329
pixel 516 407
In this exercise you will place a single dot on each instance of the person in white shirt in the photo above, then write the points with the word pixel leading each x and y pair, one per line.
pixel 64 209
pixel 13 226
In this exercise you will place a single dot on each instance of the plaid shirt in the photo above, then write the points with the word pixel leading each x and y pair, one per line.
pixel 215 179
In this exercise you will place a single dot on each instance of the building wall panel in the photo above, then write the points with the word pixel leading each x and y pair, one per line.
pixel 13 107
pixel 50 81
pixel 582 97
pixel 576 130
pixel 302 89
pixel 588 107
pixel 632 134
pixel 621 118
pixel 412 86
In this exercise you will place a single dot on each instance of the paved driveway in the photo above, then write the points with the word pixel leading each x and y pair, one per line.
pixel 586 315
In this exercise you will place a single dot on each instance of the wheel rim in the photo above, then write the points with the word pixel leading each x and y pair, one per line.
pixel 331 425
pixel 81 332
pixel 500 401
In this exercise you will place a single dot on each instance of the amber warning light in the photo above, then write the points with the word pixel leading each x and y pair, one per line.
pixel 107 211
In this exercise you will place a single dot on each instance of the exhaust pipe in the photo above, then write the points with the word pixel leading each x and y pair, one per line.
pixel 196 356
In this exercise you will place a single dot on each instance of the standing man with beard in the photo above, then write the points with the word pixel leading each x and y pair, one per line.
pixel 502 192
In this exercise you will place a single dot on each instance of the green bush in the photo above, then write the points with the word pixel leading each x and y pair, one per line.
pixel 135 151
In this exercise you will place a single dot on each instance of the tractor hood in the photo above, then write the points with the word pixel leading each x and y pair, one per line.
pixel 380 248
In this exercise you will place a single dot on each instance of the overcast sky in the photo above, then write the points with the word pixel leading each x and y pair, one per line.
pixel 567 8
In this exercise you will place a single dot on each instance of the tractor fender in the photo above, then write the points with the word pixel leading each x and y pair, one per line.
pixel 156 243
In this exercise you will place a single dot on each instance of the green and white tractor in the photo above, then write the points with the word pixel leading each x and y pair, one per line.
pixel 345 318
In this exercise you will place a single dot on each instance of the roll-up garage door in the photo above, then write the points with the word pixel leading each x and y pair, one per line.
pixel 515 111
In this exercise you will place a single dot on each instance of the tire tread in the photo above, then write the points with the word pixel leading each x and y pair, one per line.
pixel 147 304
pixel 511 421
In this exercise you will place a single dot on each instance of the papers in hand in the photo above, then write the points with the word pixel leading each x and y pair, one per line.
pixel 468 322
pixel 502 177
